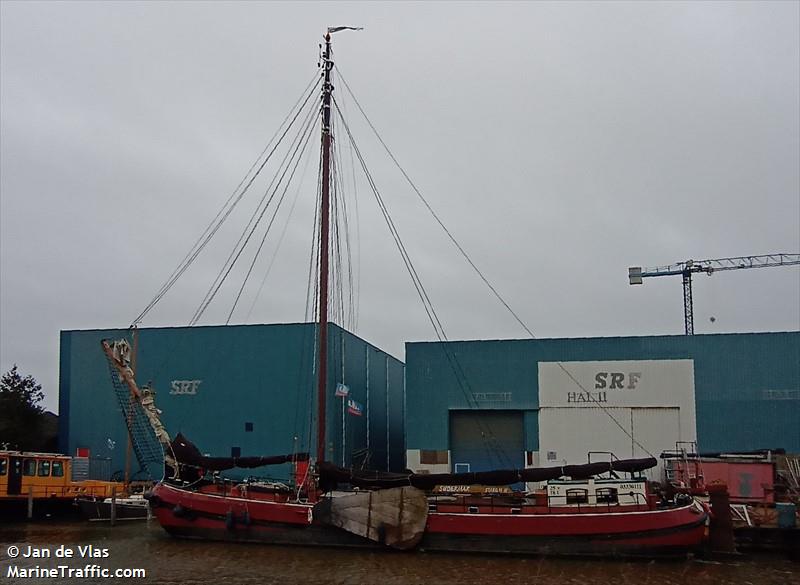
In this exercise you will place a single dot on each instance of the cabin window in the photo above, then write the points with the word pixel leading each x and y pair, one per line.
pixel 236 451
pixel 248 427
pixel 44 468
pixel 58 469
pixel 29 467
pixel 3 465
pixel 607 496
pixel 577 496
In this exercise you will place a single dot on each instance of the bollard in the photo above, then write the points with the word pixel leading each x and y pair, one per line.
pixel 30 502
pixel 720 534
pixel 787 514
pixel 113 505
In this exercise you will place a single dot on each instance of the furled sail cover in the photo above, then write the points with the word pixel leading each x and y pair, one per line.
pixel 330 475
pixel 186 453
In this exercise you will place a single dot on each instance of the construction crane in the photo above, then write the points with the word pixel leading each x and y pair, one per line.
pixel 686 269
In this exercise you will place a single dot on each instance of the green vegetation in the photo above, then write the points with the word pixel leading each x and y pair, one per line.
pixel 24 424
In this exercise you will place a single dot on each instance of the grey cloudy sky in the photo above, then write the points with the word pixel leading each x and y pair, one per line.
pixel 560 143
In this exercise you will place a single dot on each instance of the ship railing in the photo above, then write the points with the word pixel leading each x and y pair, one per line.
pixel 45 490
pixel 479 503
pixel 235 487
pixel 604 498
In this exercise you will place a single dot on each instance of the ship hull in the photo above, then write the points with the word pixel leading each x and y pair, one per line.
pixel 188 514
pixel 662 533
pixel 16 509
pixel 669 532
pixel 98 509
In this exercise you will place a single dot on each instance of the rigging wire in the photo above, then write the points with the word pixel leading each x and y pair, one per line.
pixel 311 304
pixel 477 270
pixel 356 268
pixel 255 219
pixel 437 325
pixel 342 276
pixel 281 237
pixel 312 286
pixel 306 385
pixel 271 222
pixel 316 299
pixel 432 212
pixel 226 210
pixel 229 204
pixel 348 320
pixel 337 309
pixel 252 222
pixel 336 296
pixel 489 440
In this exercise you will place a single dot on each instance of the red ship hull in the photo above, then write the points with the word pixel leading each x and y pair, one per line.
pixel 667 532
pixel 262 518
pixel 265 518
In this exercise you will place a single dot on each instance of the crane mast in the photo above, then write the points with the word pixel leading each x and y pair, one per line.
pixel 636 274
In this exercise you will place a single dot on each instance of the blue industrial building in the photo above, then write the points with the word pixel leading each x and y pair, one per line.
pixel 237 390
pixel 454 406
pixel 474 405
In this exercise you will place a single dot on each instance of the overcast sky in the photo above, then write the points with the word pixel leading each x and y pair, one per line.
pixel 560 143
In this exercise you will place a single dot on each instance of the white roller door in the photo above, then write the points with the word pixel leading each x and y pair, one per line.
pixel 567 434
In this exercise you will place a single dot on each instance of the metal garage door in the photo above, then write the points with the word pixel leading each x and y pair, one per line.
pixel 482 440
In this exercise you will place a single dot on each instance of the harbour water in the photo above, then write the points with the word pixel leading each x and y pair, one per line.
pixel 169 561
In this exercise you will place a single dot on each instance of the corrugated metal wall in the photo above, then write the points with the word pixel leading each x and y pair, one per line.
pixel 747 386
pixel 376 381
pixel 247 387
pixel 497 375
pixel 748 391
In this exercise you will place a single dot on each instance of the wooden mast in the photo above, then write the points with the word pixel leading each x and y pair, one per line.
pixel 128 423
pixel 322 321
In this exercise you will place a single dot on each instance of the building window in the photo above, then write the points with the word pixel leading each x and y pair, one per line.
pixel 236 451
pixel 3 465
pixel 58 469
pixel 29 467
pixel 248 427
pixel 44 468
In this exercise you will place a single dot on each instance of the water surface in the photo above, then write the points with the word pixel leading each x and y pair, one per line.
pixel 169 561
